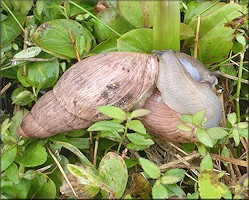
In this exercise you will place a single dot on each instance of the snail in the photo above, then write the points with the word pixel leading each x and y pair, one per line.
pixel 127 80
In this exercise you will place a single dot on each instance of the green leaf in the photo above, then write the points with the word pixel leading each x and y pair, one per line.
pixel 34 155
pixel 113 171
pixel 21 97
pixel 241 39
pixel 173 176
pixel 76 151
pixel 30 174
pixel 112 112
pixel 243 132
pixel 139 113
pixel 17 120
pixel 109 45
pixel 225 152
pixel 136 40
pixel 85 175
pixel 159 192
pixel 53 37
pixel 28 53
pixel 204 138
pixel 175 190
pixel 137 126
pixel 12 173
pixel 139 139
pixel 21 6
pixel 42 187
pixel 186 31
pixel 202 149
pixel 15 191
pixel 113 18
pixel 8 155
pixel 150 168
pixel 138 13
pixel 232 118
pixel 111 135
pixel 10 29
pixel 136 147
pixel 206 163
pixel 105 126
pixel 40 74
pixel 243 125
pixel 217 133
pixel 195 195
pixel 131 162
pixel 186 118
pixel 80 143
pixel 184 127
pixel 198 117
pixel 236 138
pixel 208 181
pixel 5 133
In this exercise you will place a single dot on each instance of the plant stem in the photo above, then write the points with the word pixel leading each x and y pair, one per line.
pixel 239 85
pixel 166 25
pixel 122 139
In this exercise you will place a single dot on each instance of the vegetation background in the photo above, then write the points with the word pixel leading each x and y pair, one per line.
pixel 126 161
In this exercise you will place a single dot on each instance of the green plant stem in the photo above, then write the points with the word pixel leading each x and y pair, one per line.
pixel 13 16
pixel 122 139
pixel 166 25
pixel 239 85
pixel 93 16
pixel 225 61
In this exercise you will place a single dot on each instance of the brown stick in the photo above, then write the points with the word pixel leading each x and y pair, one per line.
pixel 231 160
pixel 6 87
pixel 74 45
pixel 197 36
pixel 91 146
pixel 26 33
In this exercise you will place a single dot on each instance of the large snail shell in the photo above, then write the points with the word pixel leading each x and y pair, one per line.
pixel 182 93
pixel 120 79
pixel 162 121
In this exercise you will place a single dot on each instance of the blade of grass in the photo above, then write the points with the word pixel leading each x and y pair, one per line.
pixel 166 25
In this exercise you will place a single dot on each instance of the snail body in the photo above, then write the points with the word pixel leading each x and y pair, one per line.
pixel 126 80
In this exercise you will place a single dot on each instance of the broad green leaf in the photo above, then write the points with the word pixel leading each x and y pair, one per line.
pixel 204 138
pixel 28 53
pixel 138 13
pixel 8 155
pixel 236 138
pixel 225 152
pixel 150 168
pixel 131 162
pixel 230 70
pixel 188 147
pixel 206 163
pixel 42 187
pixel 217 133
pixel 198 117
pixel 85 175
pixel 136 40
pixel 241 39
pixel 184 127
pixel 80 143
pixel 186 31
pixel 186 118
pixel 40 74
pixel 179 173
pixel 53 37
pixel 17 120
pixel 232 118
pixel 21 97
pixel 109 45
pixel 208 181
pixel 10 29
pixel 195 195
pixel 5 133
pixel 15 191
pixel 136 147
pixel 137 126
pixel 34 155
pixel 159 192
pixel 105 126
pixel 113 18
pixel 112 112
pixel 243 132
pixel 139 113
pixel 139 139
pixel 111 135
pixel 175 190
pixel 114 174
pixel 76 151
pixel 202 149
pixel 12 173
pixel 22 7
pixel 30 174
pixel 243 125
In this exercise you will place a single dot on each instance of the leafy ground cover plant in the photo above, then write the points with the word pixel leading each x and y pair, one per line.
pixel 117 158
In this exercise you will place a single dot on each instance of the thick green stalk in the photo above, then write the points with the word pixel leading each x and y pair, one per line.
pixel 166 25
